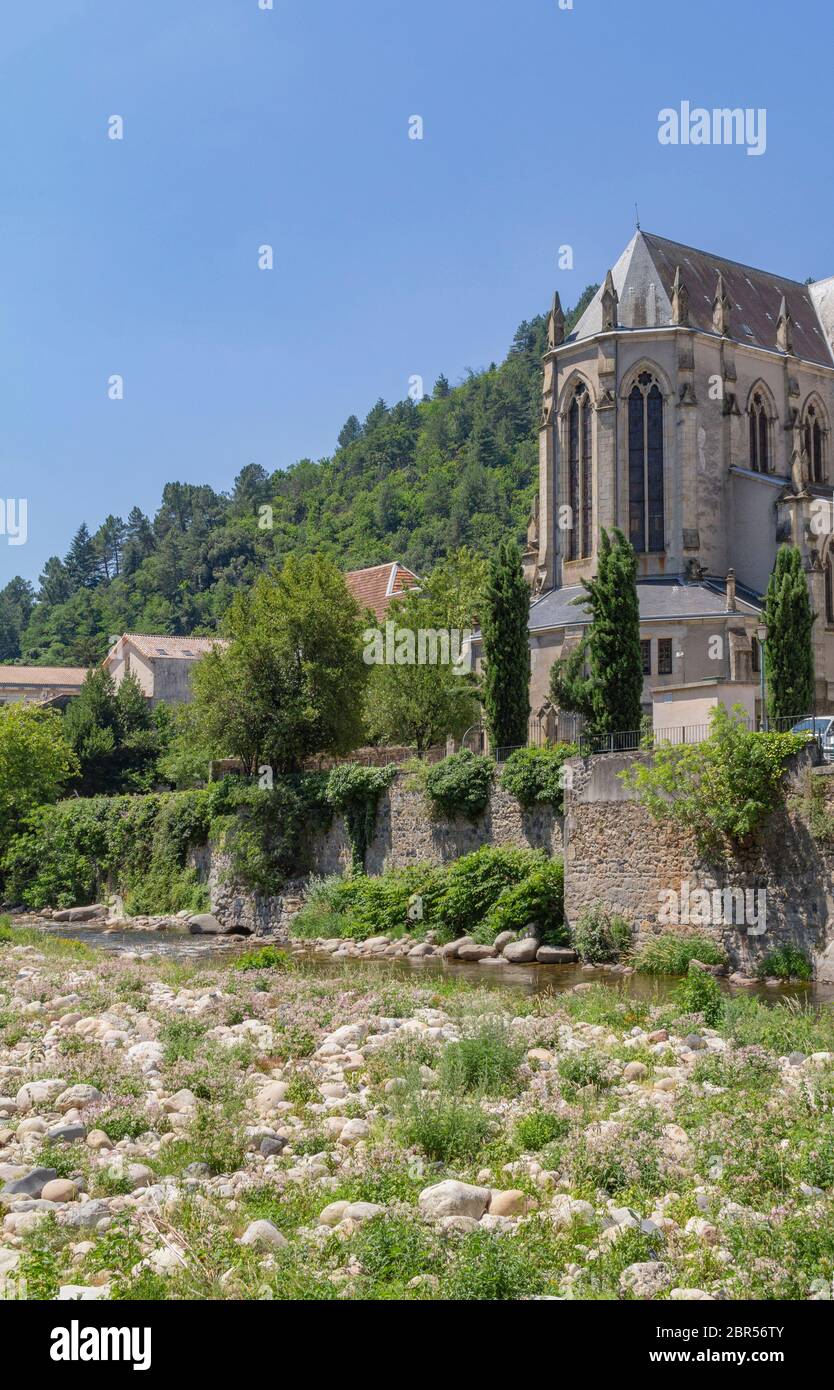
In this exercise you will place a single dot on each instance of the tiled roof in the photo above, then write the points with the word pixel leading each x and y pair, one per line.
pixel 644 276
pixel 374 588
pixel 64 676
pixel 181 648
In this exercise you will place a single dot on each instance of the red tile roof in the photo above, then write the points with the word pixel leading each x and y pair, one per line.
pixel 182 648
pixel 374 588
pixel 67 677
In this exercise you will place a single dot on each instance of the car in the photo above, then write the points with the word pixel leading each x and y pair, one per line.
pixel 821 728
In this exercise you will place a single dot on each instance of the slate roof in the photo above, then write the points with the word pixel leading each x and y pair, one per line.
pixel 659 600
pixel 375 587
pixel 650 261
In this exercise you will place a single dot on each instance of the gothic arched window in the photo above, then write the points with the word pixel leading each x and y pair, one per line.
pixel 759 434
pixel 579 471
pixel 815 444
pixel 645 464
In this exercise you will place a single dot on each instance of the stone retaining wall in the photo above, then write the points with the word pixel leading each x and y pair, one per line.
pixel 618 856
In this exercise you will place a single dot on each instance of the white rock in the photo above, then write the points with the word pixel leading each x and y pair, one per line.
pixel 452 1198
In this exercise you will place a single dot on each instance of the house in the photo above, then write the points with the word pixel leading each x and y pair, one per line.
pixel 40 685
pixel 691 407
pixel 375 588
pixel 162 665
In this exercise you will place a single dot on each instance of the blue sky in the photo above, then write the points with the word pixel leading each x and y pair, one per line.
pixel 393 257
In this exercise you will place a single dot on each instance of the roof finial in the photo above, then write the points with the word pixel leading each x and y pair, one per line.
pixel 784 328
pixel 609 301
pixel 637 216
pixel 556 323
pixel 680 300
pixel 721 309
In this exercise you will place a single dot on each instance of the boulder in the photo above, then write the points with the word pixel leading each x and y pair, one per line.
pixel 76 1097
pixel 97 911
pixel 30 1185
pixel 452 1198
pixel 522 952
pixel 205 924
pixel 646 1280
pixel 451 948
pixel 503 939
pixel 556 955
pixel 510 1203
pixel 262 1235
pixel 59 1190
pixel 476 953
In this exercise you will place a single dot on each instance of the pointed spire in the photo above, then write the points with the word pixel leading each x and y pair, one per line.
pixel 610 300
pixel 721 308
pixel 784 328
pixel 555 323
pixel 680 300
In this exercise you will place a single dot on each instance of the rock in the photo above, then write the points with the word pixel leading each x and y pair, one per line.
pixel 270 1096
pixel 97 1139
pixel 362 1211
pixel 646 1280
pixel 503 939
pixel 452 1198
pixel 423 948
pixel 30 1185
pixel 59 1190
pixel 694 1042
pixel 658 1036
pixel 821 1059
pixel 66 1134
pixel 565 1209
pixel 80 914
pixel 451 949
pixel 205 924
pixel 353 1131
pixel 796 1059
pixel 87 1215
pixel 333 1214
pixel 38 1093
pixel 509 1203
pixel 690 1296
pixel 262 1235
pixel 635 1071
pixel 556 955
pixel 476 953
pixel 704 1230
pixel 76 1097
pixel 522 952
pixel 180 1103
pixel 8 1105
pixel 9 1260
pixel 269 1147
pixel 82 1293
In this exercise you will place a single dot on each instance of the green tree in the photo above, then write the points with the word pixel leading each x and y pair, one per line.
pixel 610 695
pixel 36 763
pixel 506 649
pixel 291 681
pixel 112 734
pixel 789 653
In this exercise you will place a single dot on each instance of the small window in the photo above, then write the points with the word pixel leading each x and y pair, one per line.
pixel 646 657
pixel 755 654
pixel 664 656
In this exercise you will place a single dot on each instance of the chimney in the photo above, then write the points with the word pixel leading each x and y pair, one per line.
pixel 731 591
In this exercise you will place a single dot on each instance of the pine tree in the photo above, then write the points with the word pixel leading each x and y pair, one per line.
pixel 610 696
pixel 789 654
pixel 506 649
pixel 350 431
pixel 441 388
pixel 82 560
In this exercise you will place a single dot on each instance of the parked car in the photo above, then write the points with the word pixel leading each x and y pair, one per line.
pixel 822 729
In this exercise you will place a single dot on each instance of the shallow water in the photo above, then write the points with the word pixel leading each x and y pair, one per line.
pixel 529 979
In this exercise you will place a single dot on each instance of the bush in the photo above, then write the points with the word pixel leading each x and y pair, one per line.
pixel 460 785
pixel 535 1131
pixel 534 775
pixel 700 993
pixel 786 963
pixel 448 1128
pixel 471 885
pixel 538 899
pixel 599 937
pixel 485 1064
pixel 671 953
pixel 266 958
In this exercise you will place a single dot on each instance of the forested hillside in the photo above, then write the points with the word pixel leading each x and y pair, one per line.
pixel 411 482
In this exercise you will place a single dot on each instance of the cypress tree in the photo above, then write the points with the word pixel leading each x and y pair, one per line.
pixel 506 649
pixel 789 654
pixel 610 697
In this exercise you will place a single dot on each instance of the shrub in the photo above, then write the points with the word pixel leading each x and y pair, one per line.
pixel 599 937
pixel 538 1129
pixel 671 953
pixel 537 899
pixel 460 785
pixel 265 958
pixel 472 884
pixel 786 963
pixel 534 775
pixel 485 1064
pixel 700 993
pixel 448 1128
pixel 580 1069
pixel 725 786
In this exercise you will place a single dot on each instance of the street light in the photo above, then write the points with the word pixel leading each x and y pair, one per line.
pixel 761 634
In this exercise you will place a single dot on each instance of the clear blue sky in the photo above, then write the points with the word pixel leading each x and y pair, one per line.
pixel 393 257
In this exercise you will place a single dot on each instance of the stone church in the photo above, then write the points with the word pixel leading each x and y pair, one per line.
pixel 691 406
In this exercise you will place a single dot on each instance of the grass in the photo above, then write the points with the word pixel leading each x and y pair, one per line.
pixel 264 958
pixel 671 953
pixel 484 1064
pixel 785 963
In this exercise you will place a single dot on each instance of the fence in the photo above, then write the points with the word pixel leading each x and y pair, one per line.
pixel 591 745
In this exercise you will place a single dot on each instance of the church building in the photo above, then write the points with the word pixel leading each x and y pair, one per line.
pixel 691 407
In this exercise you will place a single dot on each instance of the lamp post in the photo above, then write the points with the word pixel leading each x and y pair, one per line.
pixel 761 635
